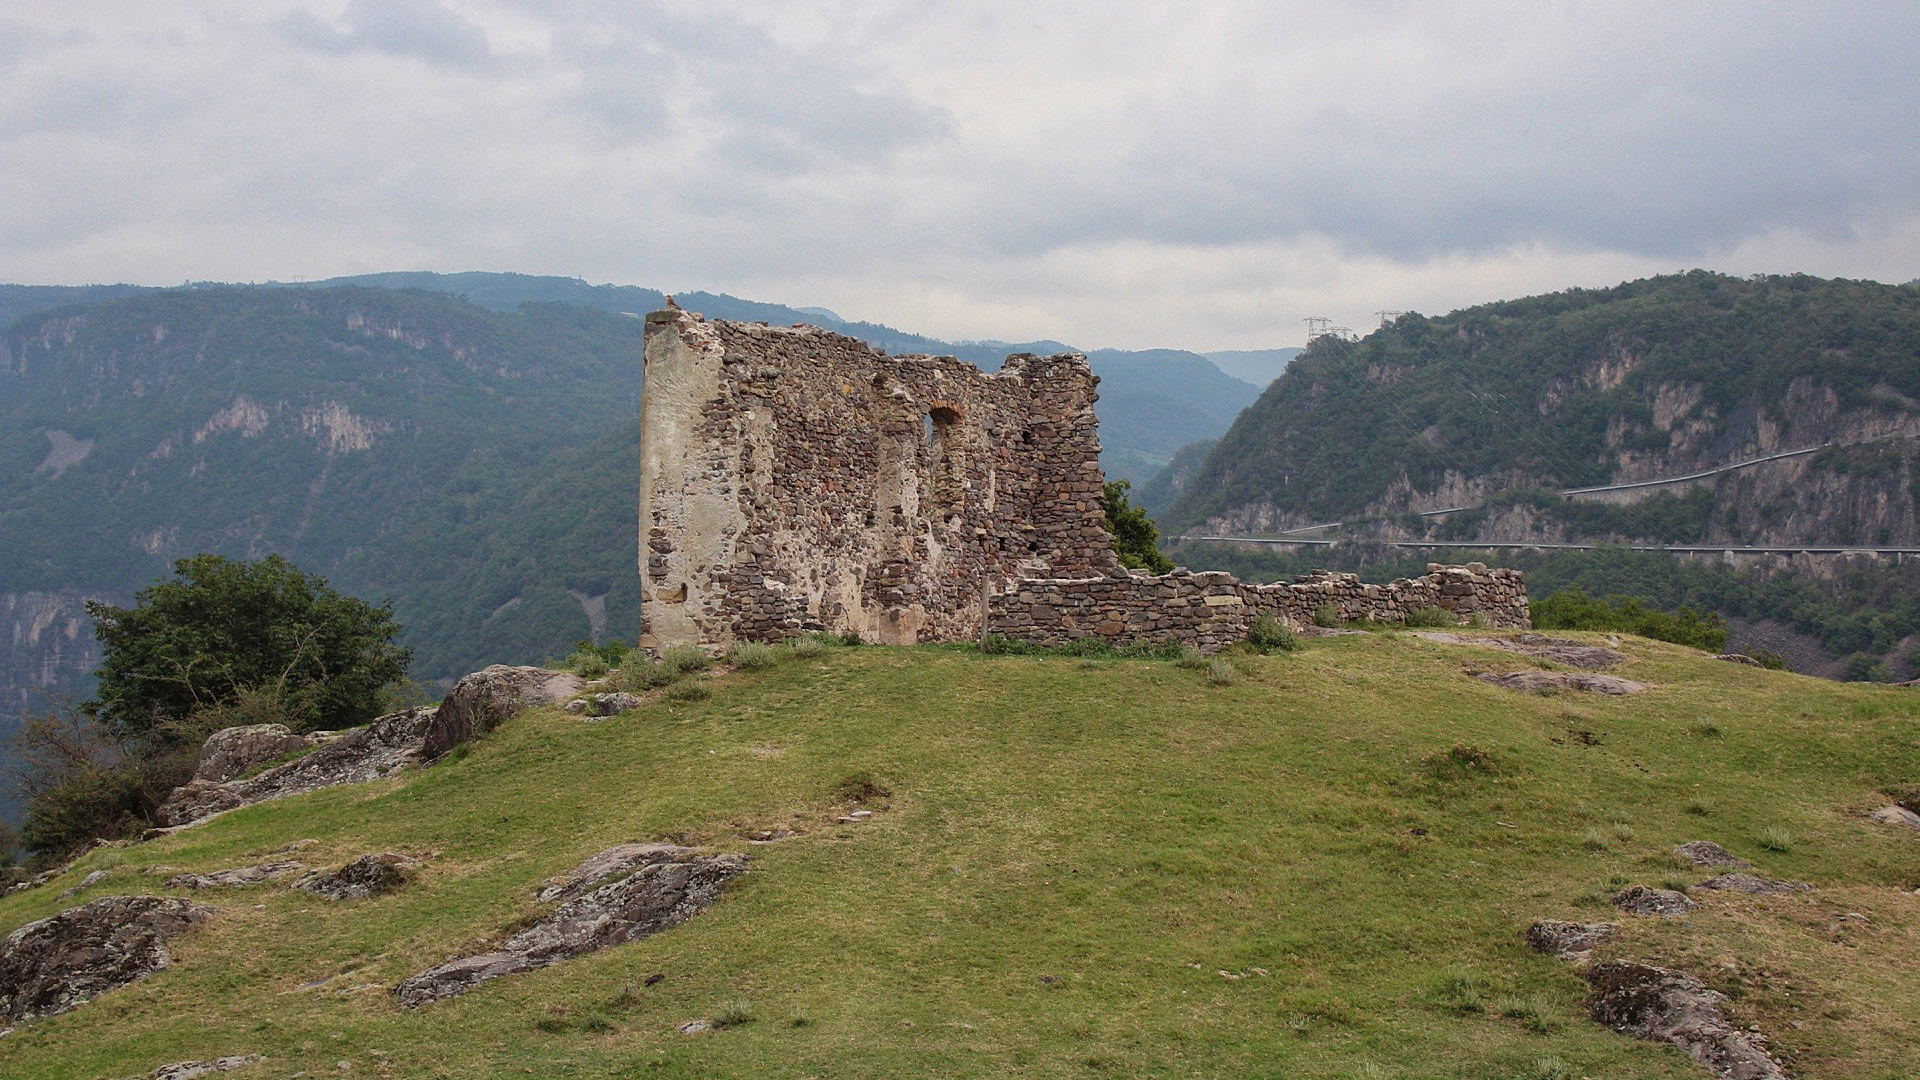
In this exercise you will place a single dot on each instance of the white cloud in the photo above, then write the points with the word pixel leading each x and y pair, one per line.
pixel 1116 173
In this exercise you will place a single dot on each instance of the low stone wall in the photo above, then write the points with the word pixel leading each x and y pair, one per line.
pixel 1212 610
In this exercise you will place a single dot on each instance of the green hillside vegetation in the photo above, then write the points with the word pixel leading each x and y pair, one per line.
pixel 1508 387
pixel 1152 402
pixel 1868 609
pixel 1083 867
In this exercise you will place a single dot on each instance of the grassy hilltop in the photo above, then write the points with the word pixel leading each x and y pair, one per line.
pixel 1089 868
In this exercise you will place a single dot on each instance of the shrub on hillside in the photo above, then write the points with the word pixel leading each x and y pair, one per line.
pixel 1573 609
pixel 751 655
pixel 685 658
pixel 1429 617
pixel 1270 635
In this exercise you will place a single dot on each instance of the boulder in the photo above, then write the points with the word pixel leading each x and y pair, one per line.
pixel 236 878
pixel 1897 815
pixel 50 966
pixel 1754 886
pixel 1708 853
pixel 1655 1003
pixel 1568 940
pixel 1646 900
pixel 381 748
pixel 233 751
pixel 1738 658
pixel 641 894
pixel 368 875
pixel 490 697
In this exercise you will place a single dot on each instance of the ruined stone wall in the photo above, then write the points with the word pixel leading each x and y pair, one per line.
pixel 796 479
pixel 1213 610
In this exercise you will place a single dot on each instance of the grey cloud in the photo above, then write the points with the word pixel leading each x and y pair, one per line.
pixel 421 29
pixel 642 69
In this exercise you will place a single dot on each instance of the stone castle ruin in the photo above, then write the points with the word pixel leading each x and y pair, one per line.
pixel 794 479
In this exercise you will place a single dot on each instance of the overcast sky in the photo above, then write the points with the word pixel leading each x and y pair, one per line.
pixel 1201 175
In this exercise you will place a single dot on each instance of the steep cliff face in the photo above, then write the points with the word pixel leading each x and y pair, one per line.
pixel 1494 408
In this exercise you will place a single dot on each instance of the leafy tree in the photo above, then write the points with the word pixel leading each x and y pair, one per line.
pixel 1135 537
pixel 222 630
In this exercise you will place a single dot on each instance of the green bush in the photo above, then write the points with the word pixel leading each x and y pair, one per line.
pixel 1326 617
pixel 733 1014
pixel 588 664
pixel 1191 658
pixel 641 672
pixel 1429 617
pixel 1270 635
pixel 1221 672
pixel 807 647
pixel 688 690
pixel 1573 609
pixel 685 658
pixel 751 656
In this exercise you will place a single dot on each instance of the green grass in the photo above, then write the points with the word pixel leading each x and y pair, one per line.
pixel 1089 868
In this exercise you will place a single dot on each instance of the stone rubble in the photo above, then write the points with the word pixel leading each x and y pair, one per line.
pixel 193 1070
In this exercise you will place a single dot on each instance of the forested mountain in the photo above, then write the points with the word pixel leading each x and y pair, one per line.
pixel 1495 407
pixel 475 462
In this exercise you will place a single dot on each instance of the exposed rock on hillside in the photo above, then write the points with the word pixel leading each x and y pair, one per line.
pixel 1647 900
pixel 234 751
pixel 1754 886
pixel 1547 682
pixel 193 1070
pixel 653 888
pixel 236 878
pixel 368 875
pixel 1560 650
pixel 1666 1006
pixel 52 965
pixel 1708 853
pixel 1569 940
pixel 490 697
pixel 382 748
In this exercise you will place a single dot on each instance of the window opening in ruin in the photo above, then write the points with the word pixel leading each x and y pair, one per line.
pixel 944 457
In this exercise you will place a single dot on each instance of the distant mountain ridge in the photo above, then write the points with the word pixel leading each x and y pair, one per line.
pixel 1493 407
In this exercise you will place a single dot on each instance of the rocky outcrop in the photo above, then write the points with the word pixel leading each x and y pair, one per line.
pixel 52 965
pixel 237 878
pixel 236 751
pixel 1647 900
pixel 1569 940
pixel 1708 853
pixel 1655 1003
pixel 1753 886
pixel 382 748
pixel 602 705
pixel 488 698
pixel 193 1070
pixel 1559 650
pixel 1549 682
pixel 1897 815
pixel 620 895
pixel 368 875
